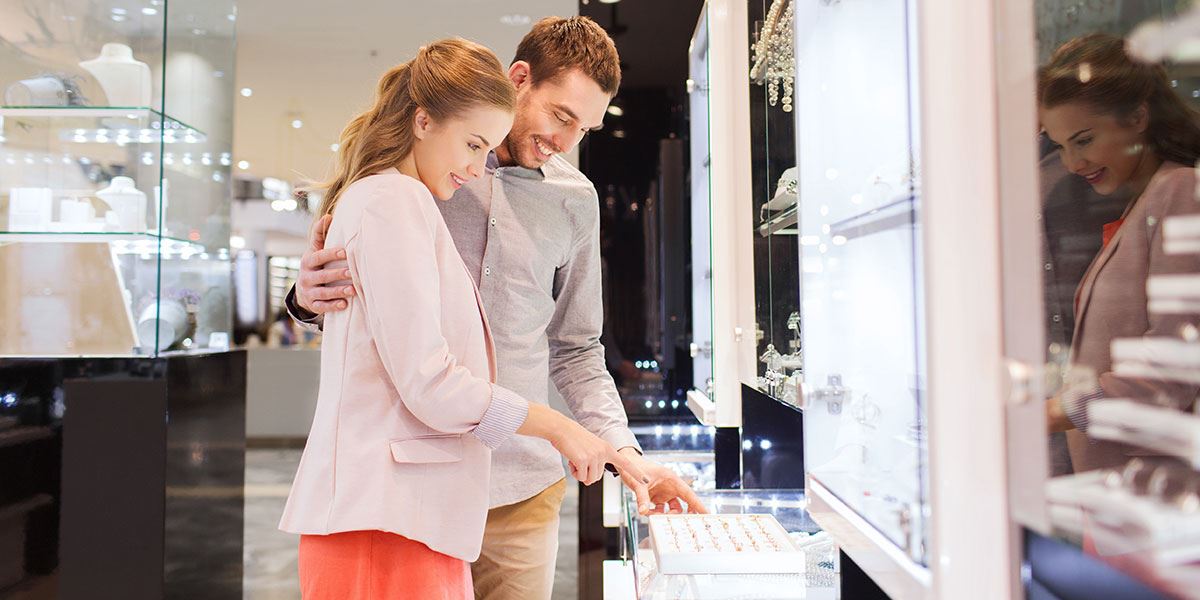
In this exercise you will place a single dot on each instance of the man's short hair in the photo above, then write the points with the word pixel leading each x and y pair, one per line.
pixel 556 45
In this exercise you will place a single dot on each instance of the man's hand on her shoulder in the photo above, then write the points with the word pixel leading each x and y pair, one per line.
pixel 314 291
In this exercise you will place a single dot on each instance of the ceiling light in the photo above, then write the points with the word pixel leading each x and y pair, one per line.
pixel 609 1
pixel 615 110
pixel 118 18
pixel 515 19
pixel 247 92
pixel 619 133
pixel 237 242
pixel 334 147
pixel 119 11
pixel 297 123
pixel 243 165
pixel 150 12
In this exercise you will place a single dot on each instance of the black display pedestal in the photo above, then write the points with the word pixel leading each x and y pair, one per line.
pixel 138 476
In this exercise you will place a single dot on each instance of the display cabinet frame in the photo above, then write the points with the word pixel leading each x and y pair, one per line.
pixel 721 228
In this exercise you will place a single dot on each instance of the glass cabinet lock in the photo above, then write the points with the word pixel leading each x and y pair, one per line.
pixel 833 394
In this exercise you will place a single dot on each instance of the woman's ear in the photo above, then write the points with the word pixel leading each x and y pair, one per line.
pixel 422 124
pixel 1140 118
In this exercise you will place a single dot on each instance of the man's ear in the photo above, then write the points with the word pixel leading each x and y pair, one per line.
pixel 520 74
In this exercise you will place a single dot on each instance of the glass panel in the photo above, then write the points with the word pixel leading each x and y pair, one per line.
pixel 115 154
pixel 1119 273
pixel 701 205
pixel 860 261
pixel 773 198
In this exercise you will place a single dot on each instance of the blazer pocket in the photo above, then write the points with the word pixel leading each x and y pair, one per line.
pixel 434 449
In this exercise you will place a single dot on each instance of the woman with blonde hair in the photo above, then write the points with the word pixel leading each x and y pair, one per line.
pixel 391 494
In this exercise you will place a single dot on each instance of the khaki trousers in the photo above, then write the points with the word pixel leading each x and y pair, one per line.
pixel 520 544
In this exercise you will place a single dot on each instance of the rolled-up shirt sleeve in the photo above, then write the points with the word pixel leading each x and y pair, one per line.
pixel 306 320
pixel 577 365
pixel 393 262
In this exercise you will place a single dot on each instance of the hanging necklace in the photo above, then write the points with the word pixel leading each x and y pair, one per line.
pixel 774 57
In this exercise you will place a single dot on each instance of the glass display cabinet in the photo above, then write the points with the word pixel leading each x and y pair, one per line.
pixel 773 198
pixel 1102 270
pixel 818 578
pixel 896 234
pixel 115 154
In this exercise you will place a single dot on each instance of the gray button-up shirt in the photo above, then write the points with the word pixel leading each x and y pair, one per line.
pixel 531 239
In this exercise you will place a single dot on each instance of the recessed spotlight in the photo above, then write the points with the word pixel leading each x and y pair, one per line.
pixel 247 92
pixel 619 133
pixel 149 11
pixel 297 123
pixel 119 11
pixel 615 110
pixel 243 165
pixel 231 17
pixel 334 147
pixel 117 18
pixel 198 31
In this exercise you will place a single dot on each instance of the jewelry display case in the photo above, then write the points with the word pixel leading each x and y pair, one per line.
pixel 774 199
pixel 115 159
pixel 1120 488
pixel 900 392
pixel 815 574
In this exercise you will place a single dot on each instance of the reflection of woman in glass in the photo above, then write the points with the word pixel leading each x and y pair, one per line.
pixel 1119 125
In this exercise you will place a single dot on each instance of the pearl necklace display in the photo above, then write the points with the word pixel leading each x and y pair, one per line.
pixel 774 57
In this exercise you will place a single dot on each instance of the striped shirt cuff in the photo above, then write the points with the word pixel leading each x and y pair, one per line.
pixel 1075 405
pixel 505 414
pixel 621 437
pixel 306 320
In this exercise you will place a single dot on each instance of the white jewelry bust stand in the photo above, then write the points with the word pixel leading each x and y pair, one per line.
pixel 126 81
pixel 127 202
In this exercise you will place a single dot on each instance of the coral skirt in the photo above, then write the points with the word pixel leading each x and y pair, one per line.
pixel 376 565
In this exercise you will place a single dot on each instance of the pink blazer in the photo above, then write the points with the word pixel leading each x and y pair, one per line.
pixel 407 413
pixel 1112 305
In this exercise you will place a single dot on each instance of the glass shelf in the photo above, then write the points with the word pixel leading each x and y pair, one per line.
pixel 901 212
pixel 110 124
pixel 783 223
pixel 122 242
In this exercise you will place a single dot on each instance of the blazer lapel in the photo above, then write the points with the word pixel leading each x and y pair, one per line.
pixel 1088 284
pixel 487 327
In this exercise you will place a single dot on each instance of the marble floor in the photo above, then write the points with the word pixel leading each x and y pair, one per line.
pixel 270 555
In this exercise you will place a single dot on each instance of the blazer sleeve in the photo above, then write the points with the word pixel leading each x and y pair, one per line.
pixel 396 268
